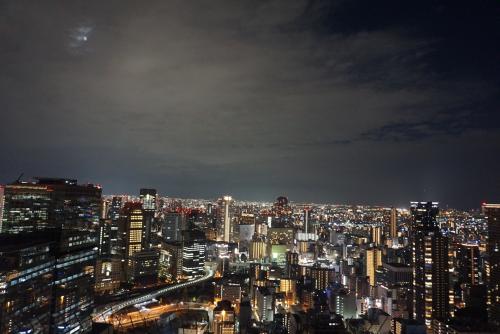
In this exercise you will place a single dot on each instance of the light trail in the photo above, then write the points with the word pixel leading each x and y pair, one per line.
pixel 108 310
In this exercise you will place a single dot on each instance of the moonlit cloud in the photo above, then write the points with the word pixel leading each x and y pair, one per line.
pixel 79 37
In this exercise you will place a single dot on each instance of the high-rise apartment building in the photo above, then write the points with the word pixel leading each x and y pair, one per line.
pixel 430 265
pixel 393 223
pixel 224 318
pixel 226 217
pixel 1 206
pixel 376 234
pixel 322 276
pixel 492 212
pixel 467 264
pixel 373 261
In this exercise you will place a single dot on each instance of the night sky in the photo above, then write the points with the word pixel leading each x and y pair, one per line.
pixel 361 102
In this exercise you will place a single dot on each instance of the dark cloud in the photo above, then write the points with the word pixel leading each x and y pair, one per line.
pixel 343 101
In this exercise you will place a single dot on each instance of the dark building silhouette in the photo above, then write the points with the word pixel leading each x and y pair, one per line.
pixel 50 202
pixel 430 265
pixel 492 212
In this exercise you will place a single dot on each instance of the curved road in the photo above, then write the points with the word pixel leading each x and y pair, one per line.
pixel 142 317
pixel 108 310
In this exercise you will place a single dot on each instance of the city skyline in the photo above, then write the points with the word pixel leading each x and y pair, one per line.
pixel 213 197
pixel 75 261
pixel 323 101
pixel 250 167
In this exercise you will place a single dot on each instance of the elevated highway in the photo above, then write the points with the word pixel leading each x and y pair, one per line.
pixel 103 314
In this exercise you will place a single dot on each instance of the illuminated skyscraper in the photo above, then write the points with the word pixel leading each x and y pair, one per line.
pixel 376 232
pixel 373 260
pixel 430 265
pixel 393 221
pixel 104 238
pixel 194 247
pixel 133 221
pixel 55 202
pixel 27 207
pixel 307 218
pixel 1 206
pixel 148 200
pixel 322 276
pixel 467 258
pixel 115 208
pixel 258 247
pixel 73 205
pixel 492 212
pixel 226 217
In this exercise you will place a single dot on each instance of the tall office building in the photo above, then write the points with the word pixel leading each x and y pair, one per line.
pixel 31 206
pixel 373 260
pixel 307 221
pixel 144 267
pixel 27 207
pixel 115 208
pixel 430 265
pixel 148 200
pixel 104 238
pixel 246 230
pixel 73 287
pixel 47 281
pixel 172 226
pixel 26 277
pixel 258 247
pixel 492 212
pixel 264 304
pixel 170 263
pixel 73 205
pixel 133 222
pixel 194 248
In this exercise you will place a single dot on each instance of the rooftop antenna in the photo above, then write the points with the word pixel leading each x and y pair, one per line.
pixel 19 178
